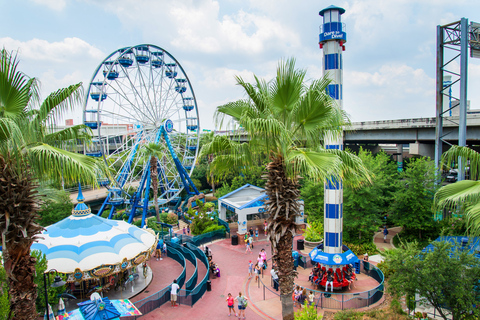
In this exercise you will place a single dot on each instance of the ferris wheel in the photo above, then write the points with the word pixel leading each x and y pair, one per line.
pixel 137 96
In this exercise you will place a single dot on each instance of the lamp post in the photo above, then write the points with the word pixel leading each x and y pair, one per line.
pixel 57 282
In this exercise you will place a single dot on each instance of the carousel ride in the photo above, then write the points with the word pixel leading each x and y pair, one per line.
pixel 137 96
pixel 95 254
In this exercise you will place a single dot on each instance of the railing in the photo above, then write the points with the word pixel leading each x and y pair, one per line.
pixel 331 300
pixel 185 296
pixel 157 299
pixel 188 254
pixel 208 237
pixel 225 224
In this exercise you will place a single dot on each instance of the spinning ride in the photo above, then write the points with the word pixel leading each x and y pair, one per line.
pixel 140 95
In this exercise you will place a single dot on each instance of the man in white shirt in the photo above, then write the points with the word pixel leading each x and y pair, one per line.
pixel 274 278
pixel 173 293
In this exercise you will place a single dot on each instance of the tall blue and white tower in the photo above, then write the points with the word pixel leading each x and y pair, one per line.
pixel 332 40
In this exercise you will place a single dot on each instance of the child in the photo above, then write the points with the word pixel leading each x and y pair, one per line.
pixel 265 224
pixel 184 230
pixel 231 306
pixel 250 269
pixel 256 234
pixel 247 245
pixel 311 298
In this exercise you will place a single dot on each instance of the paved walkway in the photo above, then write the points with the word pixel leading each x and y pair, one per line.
pixel 233 263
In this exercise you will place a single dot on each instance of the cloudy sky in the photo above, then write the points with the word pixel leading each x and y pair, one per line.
pixel 389 62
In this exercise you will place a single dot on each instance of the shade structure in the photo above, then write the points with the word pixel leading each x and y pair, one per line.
pixel 61 307
pixel 347 257
pixel 51 315
pixel 84 246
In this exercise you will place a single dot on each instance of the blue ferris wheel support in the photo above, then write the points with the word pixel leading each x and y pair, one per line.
pixel 145 182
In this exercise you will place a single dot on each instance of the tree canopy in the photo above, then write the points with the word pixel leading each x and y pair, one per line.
pixel 445 278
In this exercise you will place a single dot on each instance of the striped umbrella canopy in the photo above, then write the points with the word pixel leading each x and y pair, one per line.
pixel 86 246
pixel 51 315
pixel 61 307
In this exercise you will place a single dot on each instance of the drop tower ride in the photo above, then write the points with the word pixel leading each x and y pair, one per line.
pixel 332 40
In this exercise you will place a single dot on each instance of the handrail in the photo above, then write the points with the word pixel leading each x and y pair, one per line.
pixel 190 284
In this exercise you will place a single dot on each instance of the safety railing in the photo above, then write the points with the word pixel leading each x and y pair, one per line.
pixel 188 254
pixel 157 299
pixel 334 300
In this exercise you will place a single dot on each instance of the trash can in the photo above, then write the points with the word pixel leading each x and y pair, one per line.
pixel 300 244
pixel 295 258
pixel 234 240
pixel 209 285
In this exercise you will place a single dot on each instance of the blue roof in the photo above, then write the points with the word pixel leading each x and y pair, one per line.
pixel 332 7
pixel 91 310
pixel 473 245
pixel 257 202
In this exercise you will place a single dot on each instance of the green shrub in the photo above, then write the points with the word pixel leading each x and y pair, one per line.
pixel 213 227
pixel 171 218
pixel 307 313
pixel 396 307
pixel 387 271
pixel 314 231
pixel 361 249
pixel 348 315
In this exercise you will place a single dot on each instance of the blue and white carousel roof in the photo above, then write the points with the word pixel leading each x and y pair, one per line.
pixel 84 241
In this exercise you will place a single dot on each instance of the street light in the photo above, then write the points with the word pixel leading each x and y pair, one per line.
pixel 57 282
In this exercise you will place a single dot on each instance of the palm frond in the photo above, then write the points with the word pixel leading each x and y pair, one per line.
pixel 352 170
pixel 78 132
pixel 316 165
pixel 57 103
pixel 48 162
pixel 461 195
pixel 9 130
pixel 469 155
pixel 15 87
pixel 287 87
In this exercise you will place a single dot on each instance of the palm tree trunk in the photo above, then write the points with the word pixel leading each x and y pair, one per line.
pixel 283 207
pixel 154 177
pixel 18 212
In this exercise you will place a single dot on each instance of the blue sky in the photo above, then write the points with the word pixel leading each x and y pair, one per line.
pixel 389 62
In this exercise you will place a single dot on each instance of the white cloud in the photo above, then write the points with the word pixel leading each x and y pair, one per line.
pixel 393 92
pixel 41 50
pixel 198 26
pixel 57 5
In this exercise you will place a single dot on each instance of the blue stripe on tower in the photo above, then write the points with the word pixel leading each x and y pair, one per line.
pixel 333 61
pixel 335 91
pixel 333 210
pixel 333 184
pixel 332 239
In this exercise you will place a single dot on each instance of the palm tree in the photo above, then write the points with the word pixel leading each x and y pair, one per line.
pixel 464 194
pixel 285 119
pixel 30 153
pixel 154 152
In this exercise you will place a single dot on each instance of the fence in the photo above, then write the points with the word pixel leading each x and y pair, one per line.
pixel 340 300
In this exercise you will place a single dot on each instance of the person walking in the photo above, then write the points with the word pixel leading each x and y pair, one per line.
pixel 250 239
pixel 265 224
pixel 250 269
pixel 274 275
pixel 158 251
pixel 242 305
pixel 385 232
pixel 256 234
pixel 247 246
pixel 173 293
pixel 302 297
pixel 188 229
pixel 164 251
pixel 257 271
pixel 231 305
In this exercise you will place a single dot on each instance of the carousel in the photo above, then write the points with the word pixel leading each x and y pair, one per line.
pixel 95 254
